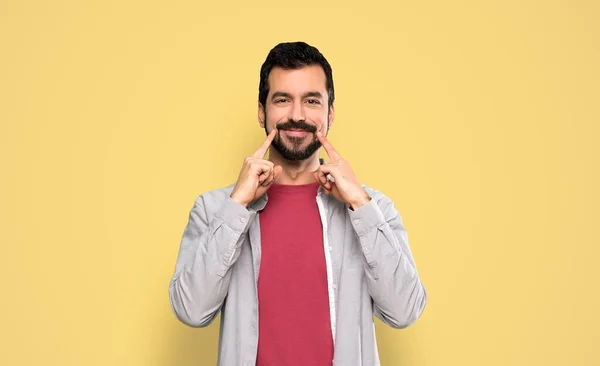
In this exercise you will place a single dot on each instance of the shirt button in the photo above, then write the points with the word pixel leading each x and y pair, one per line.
pixel 355 222
pixel 242 219
pixel 334 287
pixel 330 248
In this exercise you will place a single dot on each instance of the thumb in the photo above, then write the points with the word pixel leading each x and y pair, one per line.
pixel 276 172
pixel 316 176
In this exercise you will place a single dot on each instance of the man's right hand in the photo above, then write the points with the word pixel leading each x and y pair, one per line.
pixel 257 175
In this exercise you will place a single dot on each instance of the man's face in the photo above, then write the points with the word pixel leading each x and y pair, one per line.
pixel 297 105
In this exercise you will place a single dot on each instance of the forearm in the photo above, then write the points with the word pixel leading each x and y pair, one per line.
pixel 391 275
pixel 208 251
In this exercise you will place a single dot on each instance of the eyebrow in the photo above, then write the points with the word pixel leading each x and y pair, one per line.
pixel 315 94
pixel 309 94
pixel 281 94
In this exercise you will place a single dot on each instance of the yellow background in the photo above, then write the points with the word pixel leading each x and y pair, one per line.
pixel 478 118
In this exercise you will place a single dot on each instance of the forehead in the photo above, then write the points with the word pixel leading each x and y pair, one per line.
pixel 308 78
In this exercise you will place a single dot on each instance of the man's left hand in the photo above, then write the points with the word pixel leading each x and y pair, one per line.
pixel 344 187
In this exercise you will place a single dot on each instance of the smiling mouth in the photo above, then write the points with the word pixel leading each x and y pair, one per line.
pixel 296 133
pixel 296 130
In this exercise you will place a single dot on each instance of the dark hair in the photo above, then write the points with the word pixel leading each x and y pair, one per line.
pixel 293 55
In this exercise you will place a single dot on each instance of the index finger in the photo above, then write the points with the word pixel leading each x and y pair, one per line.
pixel 333 155
pixel 260 153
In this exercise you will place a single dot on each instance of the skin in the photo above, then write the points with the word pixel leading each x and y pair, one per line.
pixel 297 95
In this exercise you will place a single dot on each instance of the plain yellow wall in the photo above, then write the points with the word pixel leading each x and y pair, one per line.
pixel 478 118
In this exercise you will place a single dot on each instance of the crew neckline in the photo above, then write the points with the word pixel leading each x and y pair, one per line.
pixel 294 188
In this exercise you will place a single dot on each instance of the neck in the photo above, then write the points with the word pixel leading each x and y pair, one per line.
pixel 295 172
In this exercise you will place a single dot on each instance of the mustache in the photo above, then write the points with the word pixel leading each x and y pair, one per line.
pixel 293 125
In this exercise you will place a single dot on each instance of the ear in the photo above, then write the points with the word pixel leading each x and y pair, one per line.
pixel 261 115
pixel 331 116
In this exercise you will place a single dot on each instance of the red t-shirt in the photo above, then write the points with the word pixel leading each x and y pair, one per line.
pixel 293 302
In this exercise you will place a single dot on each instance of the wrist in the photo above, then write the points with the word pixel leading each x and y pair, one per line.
pixel 238 200
pixel 360 201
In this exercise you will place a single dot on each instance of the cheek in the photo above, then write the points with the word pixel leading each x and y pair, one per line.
pixel 317 117
pixel 275 115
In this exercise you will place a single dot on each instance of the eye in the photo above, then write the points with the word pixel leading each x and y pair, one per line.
pixel 280 100
pixel 313 101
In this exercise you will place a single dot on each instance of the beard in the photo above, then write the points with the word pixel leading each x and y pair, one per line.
pixel 295 152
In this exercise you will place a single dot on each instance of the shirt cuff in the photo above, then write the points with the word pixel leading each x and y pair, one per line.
pixel 367 217
pixel 236 216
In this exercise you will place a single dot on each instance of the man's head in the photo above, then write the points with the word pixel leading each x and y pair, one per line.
pixel 296 95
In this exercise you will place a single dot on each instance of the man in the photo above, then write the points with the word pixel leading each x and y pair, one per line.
pixel 298 255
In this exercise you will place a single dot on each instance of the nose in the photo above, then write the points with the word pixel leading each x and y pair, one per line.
pixel 297 113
